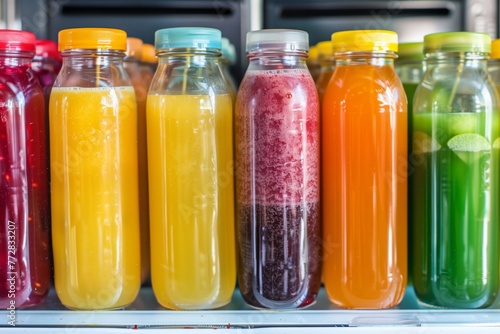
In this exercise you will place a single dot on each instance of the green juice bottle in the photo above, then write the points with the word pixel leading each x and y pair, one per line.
pixel 454 174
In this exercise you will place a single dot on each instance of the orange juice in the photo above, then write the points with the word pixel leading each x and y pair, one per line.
pixel 190 150
pixel 131 65
pixel 95 210
pixel 364 184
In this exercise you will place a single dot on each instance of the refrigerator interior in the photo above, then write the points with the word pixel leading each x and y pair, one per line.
pixel 235 18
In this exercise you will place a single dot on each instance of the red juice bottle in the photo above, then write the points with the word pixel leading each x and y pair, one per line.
pixel 24 232
pixel 46 64
pixel 277 173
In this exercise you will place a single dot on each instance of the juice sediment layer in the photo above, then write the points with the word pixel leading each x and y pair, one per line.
pixel 95 215
pixel 364 187
pixel 278 227
pixel 190 150
pixel 455 183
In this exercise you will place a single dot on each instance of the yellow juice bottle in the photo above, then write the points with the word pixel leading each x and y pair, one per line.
pixel 191 189
pixel 94 174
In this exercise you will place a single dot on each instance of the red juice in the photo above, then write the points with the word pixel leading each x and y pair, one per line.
pixel 277 178
pixel 24 232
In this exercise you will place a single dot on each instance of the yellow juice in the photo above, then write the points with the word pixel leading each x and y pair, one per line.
pixel 191 190
pixel 95 214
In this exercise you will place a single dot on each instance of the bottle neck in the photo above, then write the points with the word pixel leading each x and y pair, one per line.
pixel 463 59
pixel 277 60
pixel 365 58
pixel 16 58
pixel 86 58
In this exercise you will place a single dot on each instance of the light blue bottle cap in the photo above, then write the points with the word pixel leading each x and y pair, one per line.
pixel 228 50
pixel 190 37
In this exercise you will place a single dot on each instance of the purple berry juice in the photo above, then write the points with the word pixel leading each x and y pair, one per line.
pixel 277 181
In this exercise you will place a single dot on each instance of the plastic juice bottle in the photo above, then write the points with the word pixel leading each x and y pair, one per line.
pixel 94 173
pixel 132 66
pixel 327 63
pixel 191 188
pixel 364 193
pixel 455 180
pixel 46 64
pixel 24 208
pixel 313 63
pixel 227 59
pixel 148 63
pixel 277 173
pixel 410 69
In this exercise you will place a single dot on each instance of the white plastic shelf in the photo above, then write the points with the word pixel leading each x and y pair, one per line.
pixel 145 315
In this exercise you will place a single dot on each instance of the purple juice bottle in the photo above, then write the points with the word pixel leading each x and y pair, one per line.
pixel 24 232
pixel 277 173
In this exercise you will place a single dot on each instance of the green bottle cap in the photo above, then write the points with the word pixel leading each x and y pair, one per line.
pixel 411 51
pixel 459 41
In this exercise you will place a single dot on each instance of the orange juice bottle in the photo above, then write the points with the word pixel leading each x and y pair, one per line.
pixel 364 154
pixel 94 173
pixel 148 63
pixel 132 66
pixel 191 188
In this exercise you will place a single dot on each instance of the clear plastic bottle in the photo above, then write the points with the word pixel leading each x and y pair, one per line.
pixel 277 173
pixel 25 270
pixel 132 66
pixel 455 178
pixel 191 188
pixel 94 172
pixel 364 180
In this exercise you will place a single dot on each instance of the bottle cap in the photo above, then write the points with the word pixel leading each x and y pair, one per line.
pixel 92 38
pixel 134 47
pixel 46 48
pixel 17 40
pixel 191 37
pixel 365 40
pixel 411 51
pixel 313 53
pixel 148 54
pixel 325 49
pixel 228 50
pixel 495 49
pixel 277 40
pixel 458 41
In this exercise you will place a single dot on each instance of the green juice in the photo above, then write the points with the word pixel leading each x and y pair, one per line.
pixel 454 177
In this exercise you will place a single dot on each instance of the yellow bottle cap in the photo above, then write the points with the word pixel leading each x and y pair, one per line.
pixel 134 47
pixel 313 53
pixel 148 54
pixel 495 49
pixel 365 40
pixel 92 38
pixel 325 49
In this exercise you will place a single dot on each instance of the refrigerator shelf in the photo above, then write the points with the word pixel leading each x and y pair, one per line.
pixel 145 315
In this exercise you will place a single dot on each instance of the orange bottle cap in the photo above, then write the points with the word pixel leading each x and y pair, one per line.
pixel 92 38
pixel 134 47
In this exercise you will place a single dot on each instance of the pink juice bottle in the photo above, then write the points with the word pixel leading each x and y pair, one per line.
pixel 277 173
pixel 24 232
